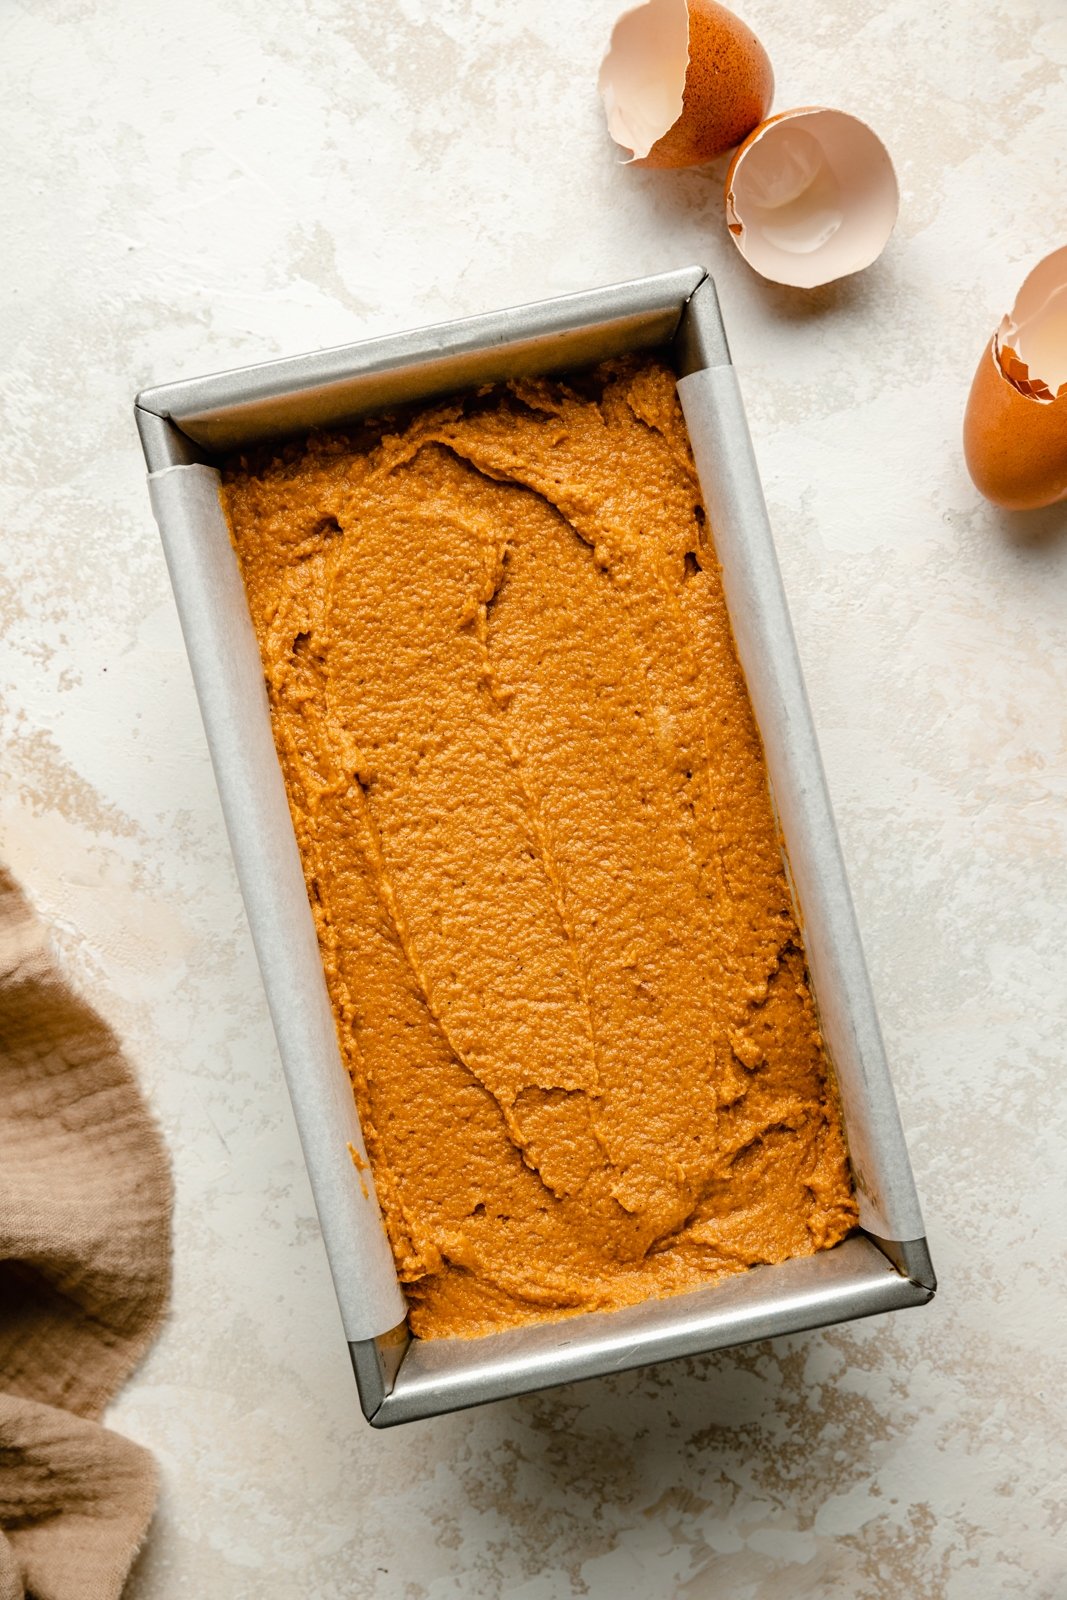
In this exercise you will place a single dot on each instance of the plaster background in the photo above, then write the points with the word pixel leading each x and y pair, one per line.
pixel 191 187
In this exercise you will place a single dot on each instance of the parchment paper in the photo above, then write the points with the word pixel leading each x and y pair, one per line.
pixel 763 633
pixel 228 674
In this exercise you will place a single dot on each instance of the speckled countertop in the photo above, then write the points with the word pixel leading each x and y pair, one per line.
pixel 192 186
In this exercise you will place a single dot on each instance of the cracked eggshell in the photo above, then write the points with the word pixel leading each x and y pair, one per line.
pixel 811 196
pixel 1015 427
pixel 683 82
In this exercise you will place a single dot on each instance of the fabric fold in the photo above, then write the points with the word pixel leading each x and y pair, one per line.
pixel 85 1243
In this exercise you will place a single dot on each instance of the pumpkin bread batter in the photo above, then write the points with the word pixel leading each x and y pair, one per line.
pixel 532 809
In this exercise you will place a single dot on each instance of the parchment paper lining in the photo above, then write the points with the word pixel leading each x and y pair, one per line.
pixel 228 673
pixel 767 650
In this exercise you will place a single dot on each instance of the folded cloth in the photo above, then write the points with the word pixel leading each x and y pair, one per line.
pixel 85 1221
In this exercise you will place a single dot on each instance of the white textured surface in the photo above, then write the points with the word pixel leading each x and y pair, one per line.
pixel 192 186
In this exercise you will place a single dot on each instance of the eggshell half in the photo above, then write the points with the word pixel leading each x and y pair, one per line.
pixel 683 82
pixel 1015 426
pixel 811 196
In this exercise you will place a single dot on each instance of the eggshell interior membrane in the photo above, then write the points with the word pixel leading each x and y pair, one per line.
pixel 811 196
pixel 683 82
pixel 1031 342
pixel 642 79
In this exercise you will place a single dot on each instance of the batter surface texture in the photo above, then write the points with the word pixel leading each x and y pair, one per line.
pixel 532 809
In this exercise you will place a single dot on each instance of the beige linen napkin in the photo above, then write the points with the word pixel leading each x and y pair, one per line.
pixel 85 1206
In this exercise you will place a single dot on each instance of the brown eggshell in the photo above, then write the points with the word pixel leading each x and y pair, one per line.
pixel 716 96
pixel 1015 445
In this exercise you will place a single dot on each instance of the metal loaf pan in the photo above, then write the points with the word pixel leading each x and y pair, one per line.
pixel 185 428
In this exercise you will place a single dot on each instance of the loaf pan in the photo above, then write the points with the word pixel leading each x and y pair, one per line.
pixel 186 428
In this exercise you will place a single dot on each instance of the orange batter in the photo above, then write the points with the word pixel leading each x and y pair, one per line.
pixel 532 809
